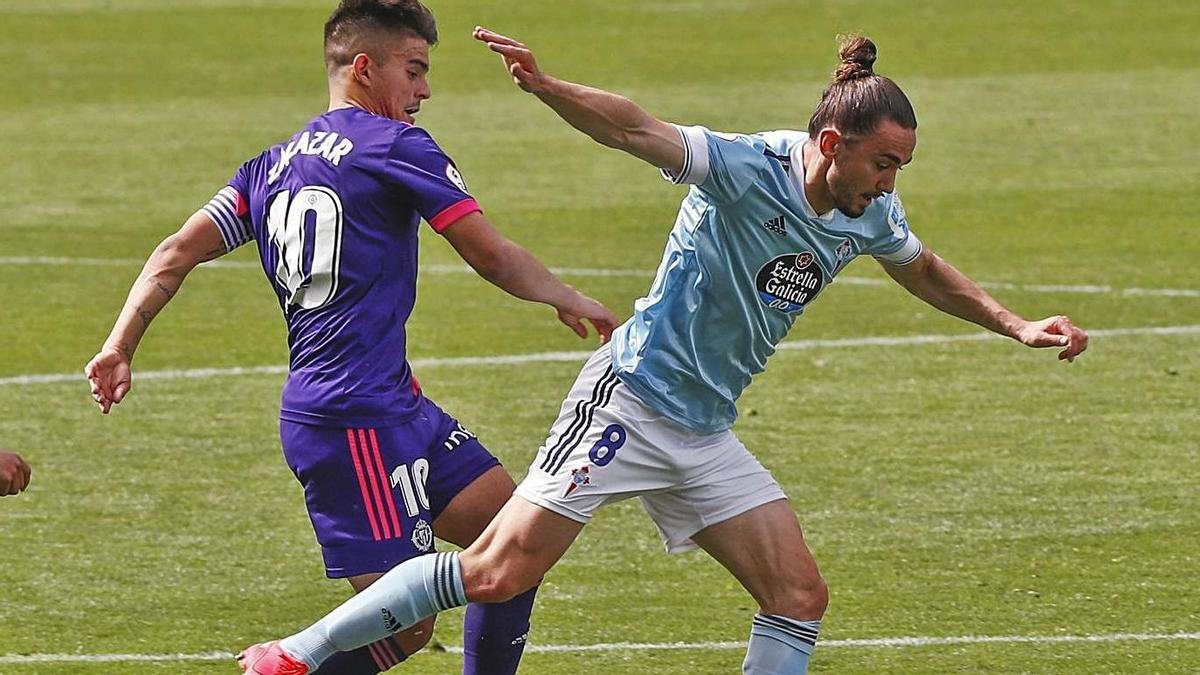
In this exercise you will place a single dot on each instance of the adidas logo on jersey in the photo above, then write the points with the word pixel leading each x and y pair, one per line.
pixel 776 225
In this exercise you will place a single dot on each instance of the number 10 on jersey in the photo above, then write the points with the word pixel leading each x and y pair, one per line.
pixel 309 277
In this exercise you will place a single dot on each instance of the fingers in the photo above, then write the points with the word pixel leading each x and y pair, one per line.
pixel 1068 335
pixel 579 328
pixel 14 474
pixel 518 73
pixel 520 54
pixel 1076 345
pixel 484 35
pixel 21 480
pixel 604 329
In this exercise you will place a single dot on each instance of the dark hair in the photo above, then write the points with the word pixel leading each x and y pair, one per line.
pixel 858 99
pixel 355 26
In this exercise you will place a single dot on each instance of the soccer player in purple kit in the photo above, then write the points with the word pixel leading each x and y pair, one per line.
pixel 334 213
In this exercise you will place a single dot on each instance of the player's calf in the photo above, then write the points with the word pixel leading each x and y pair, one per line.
pixel 379 656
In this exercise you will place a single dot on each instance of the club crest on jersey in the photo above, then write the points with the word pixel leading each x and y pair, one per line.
pixel 579 478
pixel 844 251
pixel 790 281
pixel 456 177
pixel 422 536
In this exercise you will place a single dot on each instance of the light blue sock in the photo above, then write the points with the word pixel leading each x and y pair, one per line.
pixel 414 589
pixel 780 645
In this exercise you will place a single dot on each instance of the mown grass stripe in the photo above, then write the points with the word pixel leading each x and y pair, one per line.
pixel 434 268
pixel 550 357
pixel 892 642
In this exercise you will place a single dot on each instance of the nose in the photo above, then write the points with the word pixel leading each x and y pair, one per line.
pixel 424 92
pixel 888 182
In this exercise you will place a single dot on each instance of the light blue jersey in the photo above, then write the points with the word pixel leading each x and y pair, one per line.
pixel 746 256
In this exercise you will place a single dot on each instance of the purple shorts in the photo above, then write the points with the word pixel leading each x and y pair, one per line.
pixel 373 494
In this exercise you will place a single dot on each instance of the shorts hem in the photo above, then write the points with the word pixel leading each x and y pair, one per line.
pixel 545 503
pixel 686 544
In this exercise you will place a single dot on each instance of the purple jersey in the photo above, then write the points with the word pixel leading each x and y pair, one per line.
pixel 335 213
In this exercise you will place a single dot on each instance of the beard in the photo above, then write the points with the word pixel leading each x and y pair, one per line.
pixel 846 199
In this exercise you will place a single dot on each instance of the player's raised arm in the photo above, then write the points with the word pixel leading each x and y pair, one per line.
pixel 197 240
pixel 510 267
pixel 610 119
pixel 938 283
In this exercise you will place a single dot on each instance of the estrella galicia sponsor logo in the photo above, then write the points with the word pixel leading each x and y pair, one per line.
pixel 390 622
pixel 422 536
pixel 790 281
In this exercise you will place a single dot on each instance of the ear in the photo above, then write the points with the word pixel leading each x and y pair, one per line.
pixel 829 141
pixel 361 69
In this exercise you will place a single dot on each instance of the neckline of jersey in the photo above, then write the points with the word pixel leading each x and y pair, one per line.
pixel 797 178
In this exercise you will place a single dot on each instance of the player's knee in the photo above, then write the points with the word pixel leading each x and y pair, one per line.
pixel 501 587
pixel 806 599
pixel 414 638
pixel 496 579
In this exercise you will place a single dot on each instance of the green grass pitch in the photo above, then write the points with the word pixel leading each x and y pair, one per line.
pixel 949 489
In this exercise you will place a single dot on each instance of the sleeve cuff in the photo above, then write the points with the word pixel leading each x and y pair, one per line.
pixel 695 157
pixel 227 209
pixel 909 251
pixel 454 212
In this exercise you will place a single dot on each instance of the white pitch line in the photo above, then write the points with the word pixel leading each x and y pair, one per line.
pixel 579 356
pixel 643 274
pixel 893 642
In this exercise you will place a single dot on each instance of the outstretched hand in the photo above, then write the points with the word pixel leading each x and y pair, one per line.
pixel 518 59
pixel 1055 331
pixel 14 473
pixel 582 307
pixel 109 375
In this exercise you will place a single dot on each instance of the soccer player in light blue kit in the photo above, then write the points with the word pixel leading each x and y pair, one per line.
pixel 769 221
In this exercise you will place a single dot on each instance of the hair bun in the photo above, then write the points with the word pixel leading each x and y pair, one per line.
pixel 858 58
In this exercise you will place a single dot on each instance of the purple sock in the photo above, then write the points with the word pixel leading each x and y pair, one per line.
pixel 494 635
pixel 374 658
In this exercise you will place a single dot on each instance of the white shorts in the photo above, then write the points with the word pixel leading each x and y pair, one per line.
pixel 606 445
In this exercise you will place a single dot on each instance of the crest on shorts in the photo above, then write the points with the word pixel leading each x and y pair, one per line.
pixel 579 478
pixel 422 536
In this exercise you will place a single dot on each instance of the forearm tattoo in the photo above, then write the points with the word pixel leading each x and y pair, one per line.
pixel 215 253
pixel 163 287
pixel 147 316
